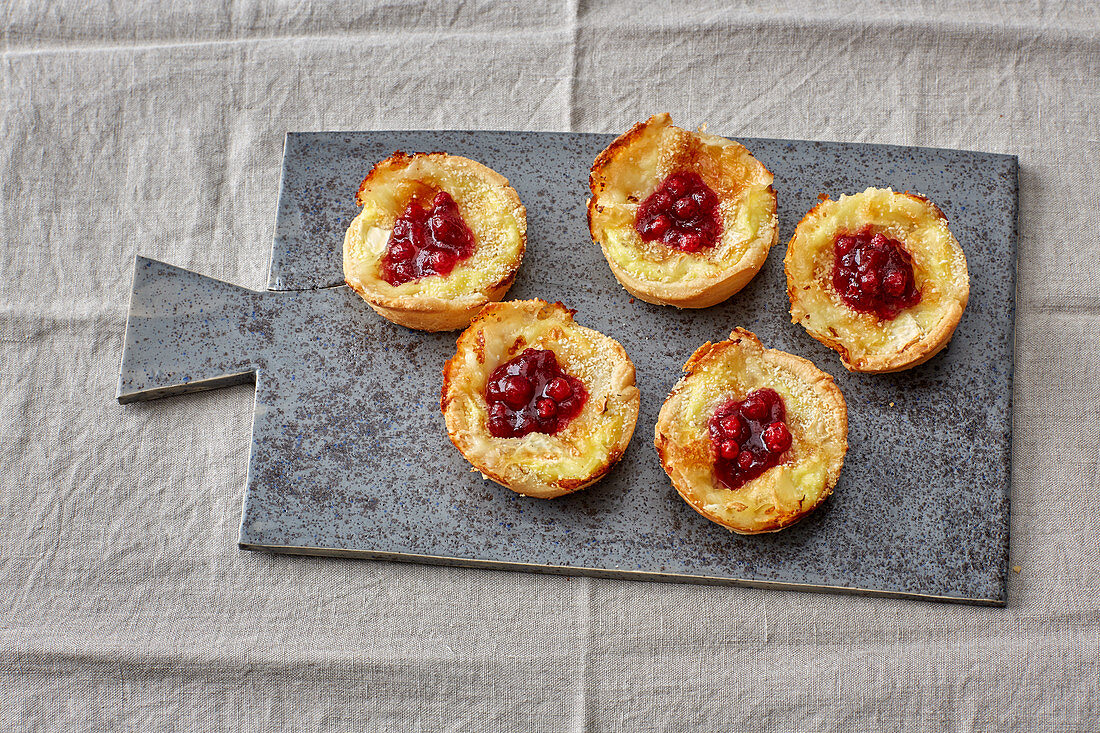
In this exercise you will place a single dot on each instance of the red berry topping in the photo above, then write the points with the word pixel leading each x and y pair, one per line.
pixel 754 407
pixel 749 437
pixel 656 227
pixel 894 283
pixel 690 242
pixel 516 391
pixel 682 213
pixel 733 427
pixel 777 438
pixel 873 274
pixel 676 186
pixel 531 394
pixel 427 241
pixel 685 208
pixel 558 389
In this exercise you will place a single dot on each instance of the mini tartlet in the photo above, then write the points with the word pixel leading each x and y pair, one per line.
pixel 683 218
pixel 518 358
pixel 438 237
pixel 738 401
pixel 878 277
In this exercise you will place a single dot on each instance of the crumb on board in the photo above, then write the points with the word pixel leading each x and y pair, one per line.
pixel 1015 568
pixel 631 301
pixel 891 404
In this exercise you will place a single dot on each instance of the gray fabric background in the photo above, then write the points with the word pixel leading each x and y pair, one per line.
pixel 124 601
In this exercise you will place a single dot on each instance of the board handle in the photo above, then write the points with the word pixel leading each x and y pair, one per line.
pixel 186 332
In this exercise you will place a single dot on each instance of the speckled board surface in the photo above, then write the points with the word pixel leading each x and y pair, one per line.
pixel 350 455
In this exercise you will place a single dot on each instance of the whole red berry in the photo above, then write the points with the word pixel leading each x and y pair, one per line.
pixel 516 391
pixel 729 450
pixel 776 437
pixel 546 408
pixel 754 408
pixel 558 389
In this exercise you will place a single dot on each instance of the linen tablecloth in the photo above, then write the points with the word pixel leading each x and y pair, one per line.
pixel 152 128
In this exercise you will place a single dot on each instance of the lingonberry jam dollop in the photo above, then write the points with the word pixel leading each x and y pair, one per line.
pixel 749 437
pixel 531 394
pixel 874 274
pixel 682 213
pixel 426 240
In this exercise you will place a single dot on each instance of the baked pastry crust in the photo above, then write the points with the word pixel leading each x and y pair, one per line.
pixel 816 417
pixel 633 166
pixel 491 209
pixel 538 464
pixel 865 343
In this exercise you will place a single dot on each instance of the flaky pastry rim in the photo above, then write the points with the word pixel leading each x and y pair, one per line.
pixel 672 455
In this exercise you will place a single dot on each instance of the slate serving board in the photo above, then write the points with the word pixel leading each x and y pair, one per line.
pixel 349 452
